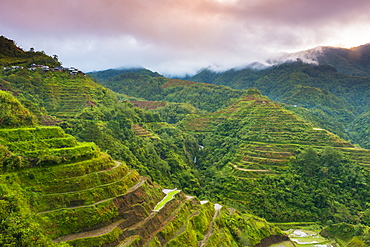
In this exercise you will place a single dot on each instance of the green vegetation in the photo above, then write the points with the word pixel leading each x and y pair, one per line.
pixel 95 114
pixel 348 235
pixel 352 61
pixel 158 88
pixel 13 113
pixel 333 99
pixel 73 155
pixel 11 55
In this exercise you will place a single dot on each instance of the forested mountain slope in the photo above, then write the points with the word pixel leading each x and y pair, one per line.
pixel 248 149
pixel 93 113
pixel 11 55
pixel 57 189
pixel 158 88
pixel 264 157
pixel 353 61
pixel 334 99
pixel 245 144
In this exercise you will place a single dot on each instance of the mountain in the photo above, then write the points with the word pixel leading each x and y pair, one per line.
pixel 12 55
pixel 353 61
pixel 253 151
pixel 58 188
pixel 254 140
pixel 54 187
pixel 105 74
pixel 333 99
pixel 85 166
pixel 203 96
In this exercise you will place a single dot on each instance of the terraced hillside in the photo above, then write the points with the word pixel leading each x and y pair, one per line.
pixel 150 105
pixel 141 131
pixel 56 191
pixel 54 93
pixel 66 95
pixel 266 136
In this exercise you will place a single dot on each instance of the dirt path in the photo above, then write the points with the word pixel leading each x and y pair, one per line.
pixel 113 167
pixel 249 170
pixel 203 242
pixel 93 233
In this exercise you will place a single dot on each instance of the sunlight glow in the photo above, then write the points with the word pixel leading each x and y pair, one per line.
pixel 226 1
pixel 351 36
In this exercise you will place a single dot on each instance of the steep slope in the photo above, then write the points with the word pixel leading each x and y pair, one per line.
pixel 58 191
pixel 360 130
pixel 264 135
pixel 13 113
pixel 249 155
pixel 330 96
pixel 158 88
pixel 53 187
pixel 12 55
pixel 93 113
pixel 353 61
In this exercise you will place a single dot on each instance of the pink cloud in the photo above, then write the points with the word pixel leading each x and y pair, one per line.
pixel 200 28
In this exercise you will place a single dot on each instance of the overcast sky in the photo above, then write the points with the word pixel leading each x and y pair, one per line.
pixel 180 36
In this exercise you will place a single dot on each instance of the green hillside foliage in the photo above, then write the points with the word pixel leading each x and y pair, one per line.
pixel 13 113
pixel 349 235
pixel 105 74
pixel 175 112
pixel 249 150
pixel 96 114
pixel 323 120
pixel 331 97
pixel 254 138
pixel 360 130
pixel 54 189
pixel 318 187
pixel 157 88
pixel 352 61
pixel 77 177
pixel 11 55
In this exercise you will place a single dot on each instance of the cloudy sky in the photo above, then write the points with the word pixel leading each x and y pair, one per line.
pixel 180 36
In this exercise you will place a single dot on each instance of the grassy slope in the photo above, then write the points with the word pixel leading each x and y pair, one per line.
pixel 53 186
pixel 81 197
pixel 334 100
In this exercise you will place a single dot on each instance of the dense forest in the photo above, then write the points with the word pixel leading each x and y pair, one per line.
pixel 335 101
pixel 286 143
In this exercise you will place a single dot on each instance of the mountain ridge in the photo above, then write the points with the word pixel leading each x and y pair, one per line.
pixel 235 147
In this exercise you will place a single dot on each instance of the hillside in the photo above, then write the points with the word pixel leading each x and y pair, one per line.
pixel 145 86
pixel 54 187
pixel 248 152
pixel 93 113
pixel 265 134
pixel 334 99
pixel 353 61
pixel 59 189
pixel 230 146
pixel 12 55
pixel 259 157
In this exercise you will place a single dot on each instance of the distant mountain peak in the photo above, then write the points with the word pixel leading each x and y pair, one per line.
pixel 307 56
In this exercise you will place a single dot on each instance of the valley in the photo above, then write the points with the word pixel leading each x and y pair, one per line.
pixel 133 158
